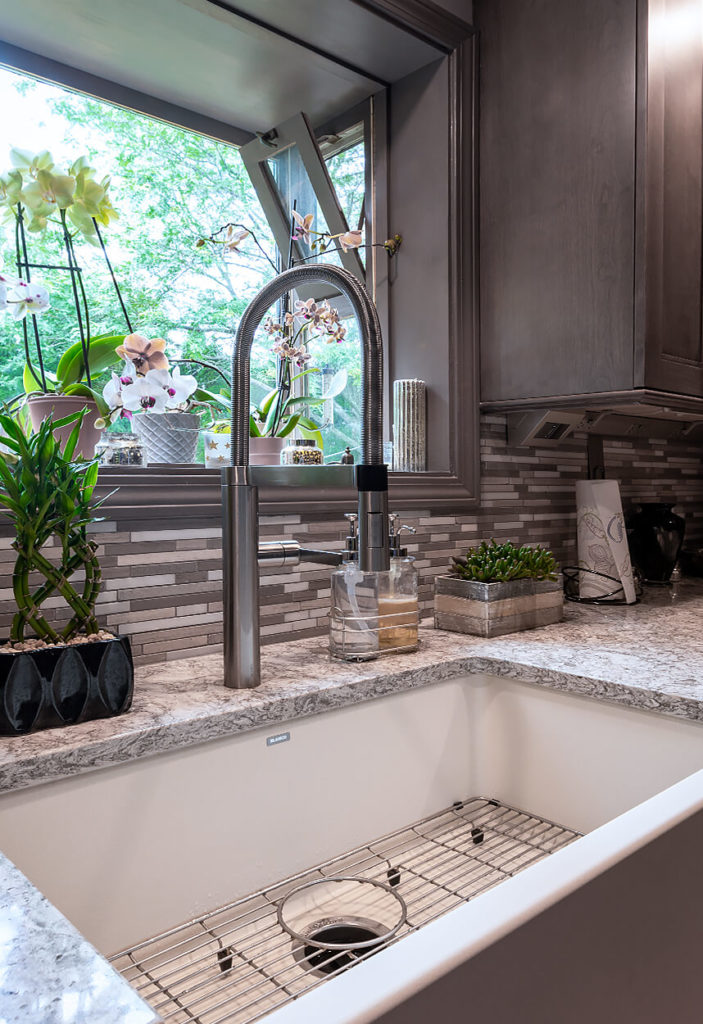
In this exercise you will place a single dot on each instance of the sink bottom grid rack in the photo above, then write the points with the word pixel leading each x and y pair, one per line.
pixel 236 964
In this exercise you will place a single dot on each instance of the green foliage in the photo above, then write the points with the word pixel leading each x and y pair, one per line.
pixel 47 494
pixel 499 563
pixel 171 187
pixel 68 379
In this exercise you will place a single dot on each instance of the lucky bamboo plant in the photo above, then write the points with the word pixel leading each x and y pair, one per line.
pixel 47 494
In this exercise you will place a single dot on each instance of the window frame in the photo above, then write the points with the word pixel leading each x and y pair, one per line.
pixel 192 493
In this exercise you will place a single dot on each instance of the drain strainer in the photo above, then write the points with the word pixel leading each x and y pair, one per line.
pixel 323 919
pixel 335 943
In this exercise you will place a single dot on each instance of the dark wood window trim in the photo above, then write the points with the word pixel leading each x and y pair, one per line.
pixel 424 19
pixel 194 493
pixel 52 71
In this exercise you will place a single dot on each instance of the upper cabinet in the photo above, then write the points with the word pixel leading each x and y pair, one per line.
pixel 591 197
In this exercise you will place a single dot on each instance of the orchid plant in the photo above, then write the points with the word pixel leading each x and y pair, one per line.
pixel 147 383
pixel 35 194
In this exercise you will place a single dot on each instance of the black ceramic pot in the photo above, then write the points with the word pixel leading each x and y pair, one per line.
pixel 655 534
pixel 64 685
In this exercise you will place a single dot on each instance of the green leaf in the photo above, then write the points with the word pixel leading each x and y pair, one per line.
pixel 289 425
pixel 253 428
pixel 311 430
pixel 337 384
pixel 86 392
pixel 101 354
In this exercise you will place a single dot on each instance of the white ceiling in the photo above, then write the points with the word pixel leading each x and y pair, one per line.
pixel 196 55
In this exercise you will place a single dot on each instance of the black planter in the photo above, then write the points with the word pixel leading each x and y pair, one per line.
pixel 65 685
pixel 655 535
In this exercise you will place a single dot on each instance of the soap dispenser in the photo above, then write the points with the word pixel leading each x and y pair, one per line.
pixel 374 613
pixel 398 608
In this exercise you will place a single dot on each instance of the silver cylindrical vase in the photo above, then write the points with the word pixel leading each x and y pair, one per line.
pixel 409 426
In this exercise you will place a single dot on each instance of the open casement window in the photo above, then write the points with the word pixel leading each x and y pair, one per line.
pixel 288 170
pixel 329 176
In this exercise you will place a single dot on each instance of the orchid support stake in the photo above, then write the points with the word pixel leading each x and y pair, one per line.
pixel 75 272
pixel 22 261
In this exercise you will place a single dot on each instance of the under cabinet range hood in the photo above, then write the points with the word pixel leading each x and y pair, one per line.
pixel 547 422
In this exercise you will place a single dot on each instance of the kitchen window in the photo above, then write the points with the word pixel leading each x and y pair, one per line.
pixel 414 90
pixel 173 187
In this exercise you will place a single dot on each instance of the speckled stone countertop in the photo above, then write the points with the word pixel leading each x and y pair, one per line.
pixel 648 656
pixel 49 974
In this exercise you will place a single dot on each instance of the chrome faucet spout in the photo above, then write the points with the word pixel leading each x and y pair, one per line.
pixel 240 497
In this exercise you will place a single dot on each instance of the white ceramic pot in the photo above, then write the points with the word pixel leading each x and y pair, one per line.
pixel 170 437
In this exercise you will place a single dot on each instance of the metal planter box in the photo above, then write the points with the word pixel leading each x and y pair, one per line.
pixel 492 609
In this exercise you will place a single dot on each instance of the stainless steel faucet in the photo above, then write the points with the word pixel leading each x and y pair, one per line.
pixel 239 490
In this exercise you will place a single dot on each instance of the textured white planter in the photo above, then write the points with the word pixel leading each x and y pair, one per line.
pixel 492 609
pixel 170 437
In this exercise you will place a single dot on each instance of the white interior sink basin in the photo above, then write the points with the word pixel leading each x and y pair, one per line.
pixel 130 851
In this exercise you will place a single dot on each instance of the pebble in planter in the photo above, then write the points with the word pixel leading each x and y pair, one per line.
pixel 499 589
pixel 49 675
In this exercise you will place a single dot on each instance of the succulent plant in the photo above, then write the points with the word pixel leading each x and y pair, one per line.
pixel 48 496
pixel 500 563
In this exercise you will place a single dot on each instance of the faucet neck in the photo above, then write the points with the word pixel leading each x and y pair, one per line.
pixel 372 356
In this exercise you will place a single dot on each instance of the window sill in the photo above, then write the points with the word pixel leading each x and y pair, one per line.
pixel 193 492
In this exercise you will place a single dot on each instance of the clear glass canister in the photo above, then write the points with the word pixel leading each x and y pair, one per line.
pixel 301 452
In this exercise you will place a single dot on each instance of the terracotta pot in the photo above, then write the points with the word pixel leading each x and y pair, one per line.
pixel 266 451
pixel 56 407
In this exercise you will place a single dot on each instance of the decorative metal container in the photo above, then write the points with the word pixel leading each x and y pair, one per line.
pixel 170 437
pixel 493 609
pixel 409 426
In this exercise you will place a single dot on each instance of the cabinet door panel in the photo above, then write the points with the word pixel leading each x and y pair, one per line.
pixel 674 197
pixel 557 196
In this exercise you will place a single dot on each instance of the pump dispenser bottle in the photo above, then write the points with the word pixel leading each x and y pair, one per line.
pixel 374 613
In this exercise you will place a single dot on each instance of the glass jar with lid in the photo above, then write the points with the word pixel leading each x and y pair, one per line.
pixel 301 452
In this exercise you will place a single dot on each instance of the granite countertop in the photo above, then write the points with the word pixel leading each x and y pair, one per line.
pixel 648 656
pixel 49 974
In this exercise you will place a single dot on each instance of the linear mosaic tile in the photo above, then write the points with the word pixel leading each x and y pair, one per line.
pixel 163 587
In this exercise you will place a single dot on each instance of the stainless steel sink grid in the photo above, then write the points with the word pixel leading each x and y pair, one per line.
pixel 244 960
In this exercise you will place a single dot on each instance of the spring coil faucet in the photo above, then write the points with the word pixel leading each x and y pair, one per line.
pixel 240 496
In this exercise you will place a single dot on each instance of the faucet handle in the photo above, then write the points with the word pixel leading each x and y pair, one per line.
pixel 351 553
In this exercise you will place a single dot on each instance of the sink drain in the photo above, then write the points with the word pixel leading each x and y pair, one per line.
pixel 335 944
pixel 321 917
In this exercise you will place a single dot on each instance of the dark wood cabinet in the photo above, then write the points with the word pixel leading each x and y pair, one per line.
pixel 591 197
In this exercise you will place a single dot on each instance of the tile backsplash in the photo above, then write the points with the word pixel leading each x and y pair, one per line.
pixel 162 586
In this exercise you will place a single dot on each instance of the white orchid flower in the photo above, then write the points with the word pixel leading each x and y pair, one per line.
pixel 23 298
pixel 179 389
pixel 147 393
pixel 5 285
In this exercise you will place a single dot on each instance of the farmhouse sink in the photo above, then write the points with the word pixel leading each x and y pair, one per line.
pixel 605 920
